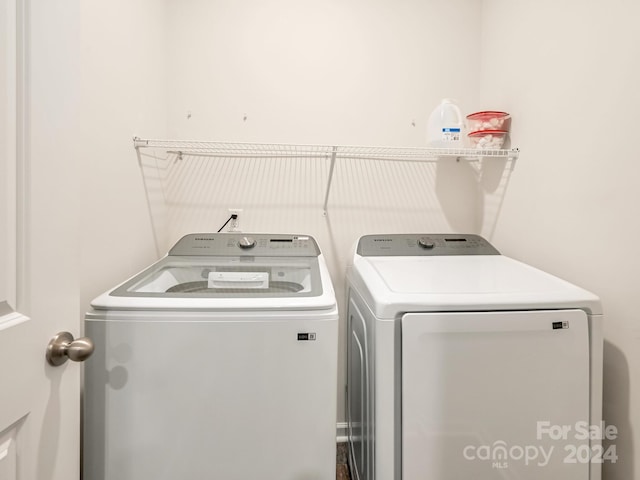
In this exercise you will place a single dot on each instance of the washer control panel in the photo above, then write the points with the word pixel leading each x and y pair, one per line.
pixel 421 245
pixel 238 244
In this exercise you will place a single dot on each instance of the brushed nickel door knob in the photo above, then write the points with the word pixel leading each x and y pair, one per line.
pixel 63 347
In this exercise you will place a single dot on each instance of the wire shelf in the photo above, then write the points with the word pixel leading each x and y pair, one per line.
pixel 181 149
pixel 279 150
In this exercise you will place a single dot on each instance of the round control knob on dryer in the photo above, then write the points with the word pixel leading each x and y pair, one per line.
pixel 426 242
pixel 247 242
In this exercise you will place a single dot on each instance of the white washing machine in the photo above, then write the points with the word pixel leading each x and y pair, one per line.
pixel 466 364
pixel 217 362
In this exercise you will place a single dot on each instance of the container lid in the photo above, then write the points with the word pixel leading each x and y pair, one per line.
pixel 482 133
pixel 487 114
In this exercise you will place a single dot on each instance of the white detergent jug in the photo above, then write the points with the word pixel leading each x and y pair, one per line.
pixel 444 128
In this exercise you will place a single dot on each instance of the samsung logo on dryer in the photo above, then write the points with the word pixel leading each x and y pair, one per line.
pixel 383 240
pixel 208 239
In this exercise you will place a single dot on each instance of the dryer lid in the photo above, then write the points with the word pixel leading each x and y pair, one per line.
pixel 476 274
pixel 394 285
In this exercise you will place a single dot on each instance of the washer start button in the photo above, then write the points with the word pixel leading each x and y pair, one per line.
pixel 247 242
pixel 426 242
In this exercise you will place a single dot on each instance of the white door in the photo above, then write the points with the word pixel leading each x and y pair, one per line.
pixel 480 391
pixel 39 295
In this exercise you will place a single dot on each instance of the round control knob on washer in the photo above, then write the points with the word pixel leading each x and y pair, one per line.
pixel 426 242
pixel 247 242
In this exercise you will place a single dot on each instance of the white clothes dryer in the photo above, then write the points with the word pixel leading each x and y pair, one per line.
pixel 218 361
pixel 466 364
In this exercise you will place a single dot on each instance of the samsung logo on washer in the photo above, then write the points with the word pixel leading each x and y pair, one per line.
pixel 205 239
pixel 383 240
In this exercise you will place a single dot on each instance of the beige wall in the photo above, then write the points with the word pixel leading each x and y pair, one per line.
pixel 569 71
pixel 122 93
pixel 332 72
pixel 364 73
pixel 346 72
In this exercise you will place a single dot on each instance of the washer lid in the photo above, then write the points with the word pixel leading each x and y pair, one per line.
pixel 236 277
pixel 230 272
pixel 394 285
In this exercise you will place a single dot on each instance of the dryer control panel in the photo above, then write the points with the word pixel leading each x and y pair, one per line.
pixel 245 244
pixel 422 245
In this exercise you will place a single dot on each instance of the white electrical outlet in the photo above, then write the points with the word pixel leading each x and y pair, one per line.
pixel 234 224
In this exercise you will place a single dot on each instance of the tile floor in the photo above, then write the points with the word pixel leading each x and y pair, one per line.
pixel 342 470
pixel 342 473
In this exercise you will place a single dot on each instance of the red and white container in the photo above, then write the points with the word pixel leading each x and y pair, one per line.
pixel 487 139
pixel 488 120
